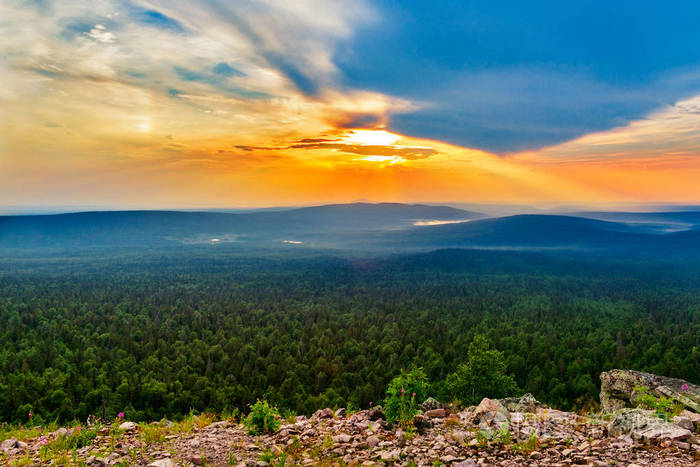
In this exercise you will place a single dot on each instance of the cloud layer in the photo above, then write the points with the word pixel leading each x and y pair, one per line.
pixel 172 104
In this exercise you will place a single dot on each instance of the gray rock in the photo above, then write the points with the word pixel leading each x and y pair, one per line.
pixel 617 389
pixel 341 412
pixel 431 404
pixel 525 404
pixel 466 463
pixel 376 413
pixel 8 444
pixel 400 437
pixel 644 425
pixel 490 414
pixel 93 461
pixel 684 422
pixel 221 424
pixel 343 438
pixel 459 436
pixel 166 462
pixel 372 441
pixel 323 413
pixel 128 426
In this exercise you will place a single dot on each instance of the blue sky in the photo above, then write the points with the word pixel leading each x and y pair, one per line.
pixel 510 75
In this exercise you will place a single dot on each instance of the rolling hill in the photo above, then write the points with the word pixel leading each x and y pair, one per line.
pixel 361 226
pixel 159 228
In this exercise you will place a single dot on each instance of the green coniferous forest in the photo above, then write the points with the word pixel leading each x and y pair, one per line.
pixel 159 333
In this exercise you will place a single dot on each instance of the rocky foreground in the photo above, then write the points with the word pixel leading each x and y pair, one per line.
pixel 510 432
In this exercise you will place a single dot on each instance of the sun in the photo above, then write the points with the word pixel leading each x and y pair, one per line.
pixel 371 137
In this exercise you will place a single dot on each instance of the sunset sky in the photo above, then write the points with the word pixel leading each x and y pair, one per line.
pixel 175 104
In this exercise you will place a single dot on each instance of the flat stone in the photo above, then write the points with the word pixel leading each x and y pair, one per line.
pixel 165 462
pixel 436 413
pixel 684 422
pixel 343 438
pixel 128 426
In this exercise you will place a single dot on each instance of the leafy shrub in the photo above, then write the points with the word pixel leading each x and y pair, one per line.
pixel 402 396
pixel 663 406
pixel 482 438
pixel 502 435
pixel 262 418
pixel 482 375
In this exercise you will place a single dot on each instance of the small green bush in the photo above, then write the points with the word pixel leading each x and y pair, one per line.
pixel 503 435
pixel 403 395
pixel 484 374
pixel 663 406
pixel 262 418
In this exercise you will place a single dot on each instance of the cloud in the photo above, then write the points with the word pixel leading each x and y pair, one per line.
pixel 404 152
pixel 100 34
pixel 516 109
pixel 673 131
pixel 344 143
pixel 297 39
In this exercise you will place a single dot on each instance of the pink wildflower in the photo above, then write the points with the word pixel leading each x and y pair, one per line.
pixel 30 415
pixel 43 441
pixel 370 403
pixel 684 387
pixel 413 394
pixel 78 428
pixel 403 391
pixel 120 415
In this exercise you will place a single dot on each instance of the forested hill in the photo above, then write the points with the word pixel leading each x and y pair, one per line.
pixel 164 332
pixel 168 228
pixel 376 228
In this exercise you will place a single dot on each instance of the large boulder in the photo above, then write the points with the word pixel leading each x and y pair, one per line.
pixel 525 404
pixel 431 404
pixel 323 413
pixel 490 414
pixel 617 390
pixel 9 446
pixel 644 425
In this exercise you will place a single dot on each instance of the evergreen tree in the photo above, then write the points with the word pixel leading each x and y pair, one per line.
pixel 483 374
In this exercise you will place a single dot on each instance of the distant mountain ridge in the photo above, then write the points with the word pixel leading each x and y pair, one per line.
pixel 153 228
pixel 360 226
